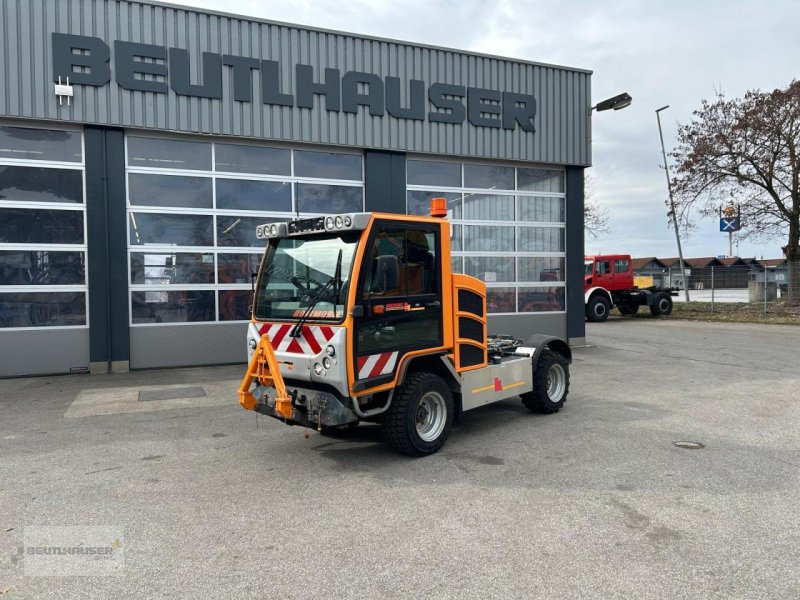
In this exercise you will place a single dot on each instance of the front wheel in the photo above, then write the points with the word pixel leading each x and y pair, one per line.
pixel 420 416
pixel 550 384
pixel 662 305
pixel 597 308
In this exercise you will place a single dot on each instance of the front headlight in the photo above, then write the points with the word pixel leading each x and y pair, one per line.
pixel 339 222
pixel 329 223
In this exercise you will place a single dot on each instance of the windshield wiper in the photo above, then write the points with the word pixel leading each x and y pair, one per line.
pixel 337 275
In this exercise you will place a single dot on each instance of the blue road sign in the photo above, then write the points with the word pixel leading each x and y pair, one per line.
pixel 727 224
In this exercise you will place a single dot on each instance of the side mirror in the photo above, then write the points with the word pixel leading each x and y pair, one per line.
pixel 387 271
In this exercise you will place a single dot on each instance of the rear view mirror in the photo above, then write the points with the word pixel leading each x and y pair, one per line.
pixel 387 272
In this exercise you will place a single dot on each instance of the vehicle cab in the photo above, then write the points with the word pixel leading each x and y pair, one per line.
pixel 345 299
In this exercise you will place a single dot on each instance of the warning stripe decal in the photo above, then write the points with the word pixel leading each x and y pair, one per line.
pixel 376 364
pixel 311 340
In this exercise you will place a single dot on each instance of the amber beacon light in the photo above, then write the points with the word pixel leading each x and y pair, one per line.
pixel 438 207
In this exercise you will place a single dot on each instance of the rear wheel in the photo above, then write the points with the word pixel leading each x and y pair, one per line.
pixel 420 416
pixel 597 308
pixel 550 384
pixel 662 304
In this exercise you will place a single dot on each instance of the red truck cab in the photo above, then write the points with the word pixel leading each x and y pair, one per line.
pixel 609 271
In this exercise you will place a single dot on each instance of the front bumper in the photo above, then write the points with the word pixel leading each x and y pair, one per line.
pixel 310 408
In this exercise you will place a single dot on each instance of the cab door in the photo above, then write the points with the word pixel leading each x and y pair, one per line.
pixel 400 295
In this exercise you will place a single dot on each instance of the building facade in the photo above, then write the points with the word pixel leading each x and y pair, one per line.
pixel 141 143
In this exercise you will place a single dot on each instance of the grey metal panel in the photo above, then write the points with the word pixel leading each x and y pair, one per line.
pixel 523 326
pixel 43 352
pixel 477 387
pixel 562 119
pixel 188 345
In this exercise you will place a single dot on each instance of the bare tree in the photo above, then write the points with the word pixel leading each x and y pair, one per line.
pixel 746 151
pixel 595 217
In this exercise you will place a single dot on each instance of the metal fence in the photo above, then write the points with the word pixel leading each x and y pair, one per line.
pixel 756 285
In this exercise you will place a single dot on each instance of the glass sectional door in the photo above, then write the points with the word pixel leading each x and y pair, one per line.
pixel 193 208
pixel 43 285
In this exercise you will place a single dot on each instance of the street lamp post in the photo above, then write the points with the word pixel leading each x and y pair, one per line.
pixel 672 205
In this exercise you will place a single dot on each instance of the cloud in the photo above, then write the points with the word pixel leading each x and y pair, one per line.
pixel 675 53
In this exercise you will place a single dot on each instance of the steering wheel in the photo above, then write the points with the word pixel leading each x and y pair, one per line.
pixel 297 281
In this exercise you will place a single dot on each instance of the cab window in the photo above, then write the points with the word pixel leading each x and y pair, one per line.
pixel 409 253
pixel 621 265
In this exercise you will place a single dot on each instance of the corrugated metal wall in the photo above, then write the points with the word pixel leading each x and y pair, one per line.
pixel 563 95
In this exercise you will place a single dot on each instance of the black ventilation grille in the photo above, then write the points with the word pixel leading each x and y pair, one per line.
pixel 470 302
pixel 470 329
pixel 469 356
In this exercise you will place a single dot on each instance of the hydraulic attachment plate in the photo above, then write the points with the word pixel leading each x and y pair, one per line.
pixel 264 368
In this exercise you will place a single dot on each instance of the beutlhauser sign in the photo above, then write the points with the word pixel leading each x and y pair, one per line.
pixel 157 69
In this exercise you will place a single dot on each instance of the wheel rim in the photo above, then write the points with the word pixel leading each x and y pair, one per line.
pixel 600 309
pixel 430 417
pixel 664 305
pixel 556 383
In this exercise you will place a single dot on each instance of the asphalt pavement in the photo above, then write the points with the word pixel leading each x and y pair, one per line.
pixel 596 501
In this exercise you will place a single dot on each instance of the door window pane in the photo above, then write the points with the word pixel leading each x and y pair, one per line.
pixel 236 158
pixel 237 268
pixel 319 198
pixel 242 194
pixel 540 239
pixel 42 309
pixel 484 207
pixel 169 190
pixel 39 184
pixel 541 209
pixel 487 238
pixel 172 230
pixel 434 173
pixel 457 264
pixel 35 267
pixel 419 203
pixel 240 231
pixel 234 305
pixel 538 299
pixel 488 177
pixel 169 269
pixel 540 180
pixel 540 268
pixel 456 238
pixel 327 165
pixel 501 299
pixel 40 226
pixel 173 307
pixel 490 269
pixel 40 144
pixel 168 154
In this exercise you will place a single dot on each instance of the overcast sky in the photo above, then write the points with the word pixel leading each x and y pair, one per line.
pixel 674 52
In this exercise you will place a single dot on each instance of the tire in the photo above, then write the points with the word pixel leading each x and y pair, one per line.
pixel 597 308
pixel 420 416
pixel 662 305
pixel 628 308
pixel 550 384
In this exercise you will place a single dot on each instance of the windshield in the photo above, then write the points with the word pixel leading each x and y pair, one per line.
pixel 587 267
pixel 297 273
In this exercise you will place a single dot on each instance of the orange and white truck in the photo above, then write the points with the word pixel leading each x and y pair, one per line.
pixel 358 317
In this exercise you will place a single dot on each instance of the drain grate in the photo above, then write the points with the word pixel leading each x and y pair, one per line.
pixel 172 394
pixel 689 445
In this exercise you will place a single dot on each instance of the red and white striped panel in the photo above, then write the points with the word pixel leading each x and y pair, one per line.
pixel 312 338
pixel 376 364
